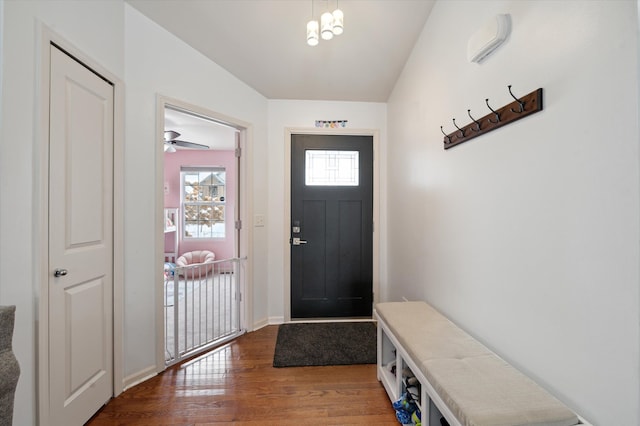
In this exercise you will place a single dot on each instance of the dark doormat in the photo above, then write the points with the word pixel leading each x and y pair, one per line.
pixel 332 343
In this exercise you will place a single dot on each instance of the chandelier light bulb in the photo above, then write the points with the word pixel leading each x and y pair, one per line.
pixel 338 22
pixel 312 33
pixel 326 22
pixel 330 24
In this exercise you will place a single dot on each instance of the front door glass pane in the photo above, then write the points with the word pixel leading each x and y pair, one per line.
pixel 331 168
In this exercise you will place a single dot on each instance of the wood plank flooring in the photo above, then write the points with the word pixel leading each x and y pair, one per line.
pixel 236 384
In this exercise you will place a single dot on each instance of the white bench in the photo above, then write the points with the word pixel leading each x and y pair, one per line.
pixel 463 380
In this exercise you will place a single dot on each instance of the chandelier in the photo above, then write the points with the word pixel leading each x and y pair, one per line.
pixel 330 24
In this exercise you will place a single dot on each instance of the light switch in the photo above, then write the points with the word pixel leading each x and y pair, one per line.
pixel 258 220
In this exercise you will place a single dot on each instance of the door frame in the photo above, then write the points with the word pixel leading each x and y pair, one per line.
pixel 243 213
pixel 287 206
pixel 45 38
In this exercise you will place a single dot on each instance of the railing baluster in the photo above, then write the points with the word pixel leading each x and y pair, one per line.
pixel 176 312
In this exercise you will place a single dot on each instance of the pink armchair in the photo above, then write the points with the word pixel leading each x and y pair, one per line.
pixel 190 258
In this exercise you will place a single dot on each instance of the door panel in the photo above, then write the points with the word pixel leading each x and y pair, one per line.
pixel 332 267
pixel 350 250
pixel 313 255
pixel 86 312
pixel 80 241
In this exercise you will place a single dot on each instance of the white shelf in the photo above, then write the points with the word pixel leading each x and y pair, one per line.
pixel 388 380
pixel 386 354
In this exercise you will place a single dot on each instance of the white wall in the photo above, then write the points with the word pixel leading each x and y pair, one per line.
pixel 527 236
pixel 285 114
pixel 159 63
pixel 95 28
pixel 99 29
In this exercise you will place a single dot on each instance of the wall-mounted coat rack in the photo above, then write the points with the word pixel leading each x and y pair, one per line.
pixel 519 108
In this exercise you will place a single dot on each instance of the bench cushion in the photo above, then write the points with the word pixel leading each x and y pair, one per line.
pixel 485 390
pixel 427 334
pixel 478 387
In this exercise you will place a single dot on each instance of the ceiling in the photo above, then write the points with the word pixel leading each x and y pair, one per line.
pixel 198 129
pixel 263 43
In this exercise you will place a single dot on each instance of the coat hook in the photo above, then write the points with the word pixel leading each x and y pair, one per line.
pixel 517 100
pixel 475 121
pixel 461 131
pixel 445 135
pixel 497 115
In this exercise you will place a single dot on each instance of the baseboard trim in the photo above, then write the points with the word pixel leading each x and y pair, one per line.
pixel 260 324
pixel 280 320
pixel 267 321
pixel 276 320
pixel 139 377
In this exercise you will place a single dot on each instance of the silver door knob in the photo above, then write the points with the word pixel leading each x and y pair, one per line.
pixel 297 241
pixel 60 272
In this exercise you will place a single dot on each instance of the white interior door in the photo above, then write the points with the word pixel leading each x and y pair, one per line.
pixel 80 241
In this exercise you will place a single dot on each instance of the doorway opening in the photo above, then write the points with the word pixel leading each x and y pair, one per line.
pixel 204 247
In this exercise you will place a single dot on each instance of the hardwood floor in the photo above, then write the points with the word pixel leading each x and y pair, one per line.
pixel 237 384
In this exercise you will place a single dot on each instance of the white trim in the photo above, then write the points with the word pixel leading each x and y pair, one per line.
pixel 276 320
pixel 44 38
pixel 139 377
pixel 118 238
pixel 264 322
pixel 329 320
pixel 244 201
pixel 287 205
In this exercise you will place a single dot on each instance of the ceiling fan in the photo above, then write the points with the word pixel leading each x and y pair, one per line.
pixel 171 141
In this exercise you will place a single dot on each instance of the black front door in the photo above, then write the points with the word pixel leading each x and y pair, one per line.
pixel 331 226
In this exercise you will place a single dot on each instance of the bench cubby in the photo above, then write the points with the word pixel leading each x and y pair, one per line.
pixel 390 352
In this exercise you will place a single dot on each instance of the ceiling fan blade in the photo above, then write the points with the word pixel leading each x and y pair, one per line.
pixel 170 135
pixel 189 144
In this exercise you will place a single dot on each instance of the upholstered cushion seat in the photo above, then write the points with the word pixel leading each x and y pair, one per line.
pixel 9 367
pixel 478 387
pixel 192 258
